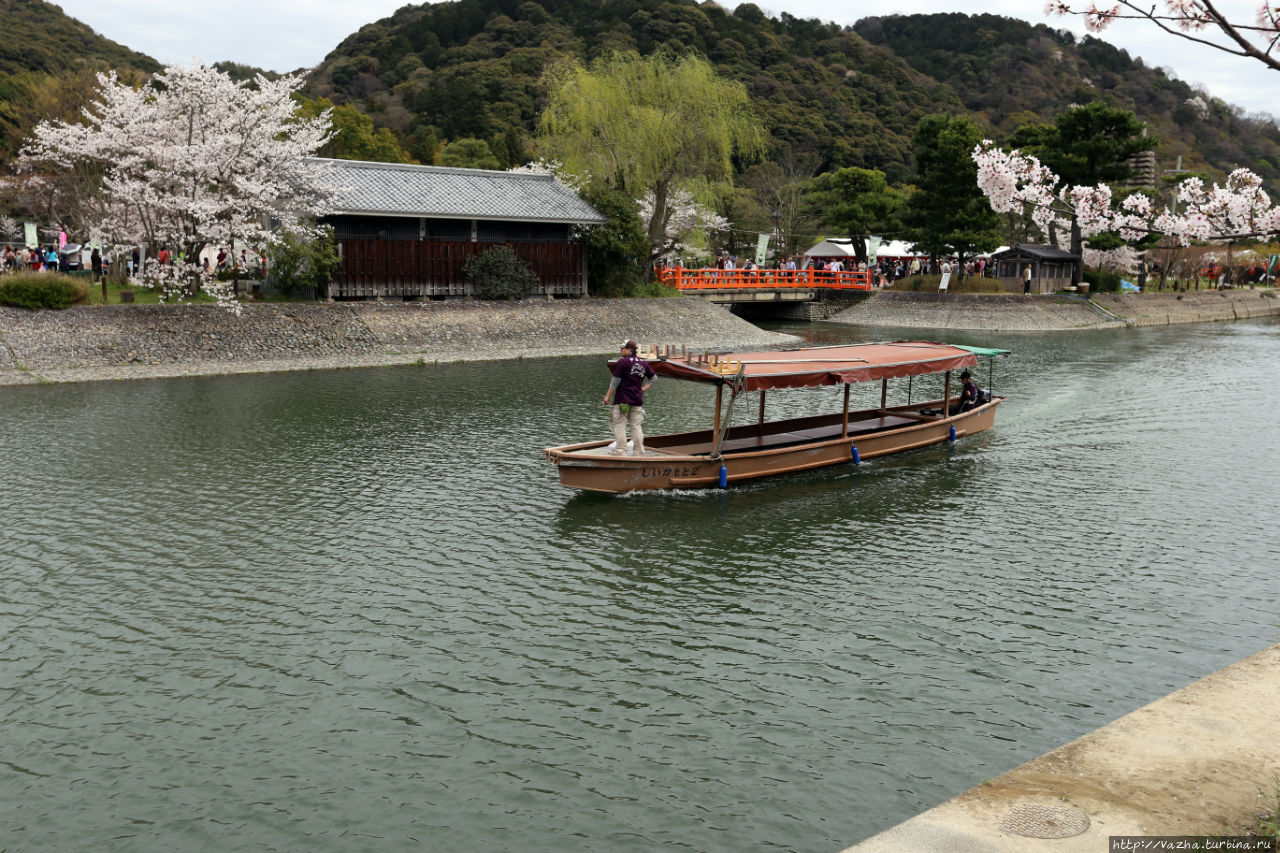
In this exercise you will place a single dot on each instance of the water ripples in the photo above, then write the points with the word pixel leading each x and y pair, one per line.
pixel 354 610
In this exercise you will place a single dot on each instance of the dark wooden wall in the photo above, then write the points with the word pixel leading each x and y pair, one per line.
pixel 396 268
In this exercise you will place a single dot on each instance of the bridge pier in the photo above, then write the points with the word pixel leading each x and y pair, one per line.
pixel 822 305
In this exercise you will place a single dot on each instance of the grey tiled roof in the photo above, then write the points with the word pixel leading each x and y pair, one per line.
pixel 1036 250
pixel 391 189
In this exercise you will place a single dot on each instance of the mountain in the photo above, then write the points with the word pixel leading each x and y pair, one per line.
pixel 851 95
pixel 1013 72
pixel 470 68
pixel 47 65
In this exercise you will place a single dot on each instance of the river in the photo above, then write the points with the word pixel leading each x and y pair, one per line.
pixel 354 610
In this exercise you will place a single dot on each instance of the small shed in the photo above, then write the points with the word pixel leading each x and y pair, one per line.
pixel 405 231
pixel 1051 268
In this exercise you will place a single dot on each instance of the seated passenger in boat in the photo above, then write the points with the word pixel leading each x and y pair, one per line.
pixel 970 395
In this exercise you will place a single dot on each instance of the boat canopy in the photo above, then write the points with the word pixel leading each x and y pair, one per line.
pixel 990 351
pixel 813 366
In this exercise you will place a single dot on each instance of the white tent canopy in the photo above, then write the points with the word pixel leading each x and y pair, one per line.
pixel 843 247
pixel 832 247
pixel 898 249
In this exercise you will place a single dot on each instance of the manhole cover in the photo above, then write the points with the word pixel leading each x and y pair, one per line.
pixel 1034 820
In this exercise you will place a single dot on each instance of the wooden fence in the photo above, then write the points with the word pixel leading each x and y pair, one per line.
pixel 398 268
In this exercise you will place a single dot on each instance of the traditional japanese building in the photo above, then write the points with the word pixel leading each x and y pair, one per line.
pixel 406 231
pixel 1051 269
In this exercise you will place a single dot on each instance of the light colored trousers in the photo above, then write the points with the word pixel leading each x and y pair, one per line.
pixel 620 420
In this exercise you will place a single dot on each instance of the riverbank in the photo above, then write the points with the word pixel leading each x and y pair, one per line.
pixel 1201 760
pixel 154 341
pixel 1016 313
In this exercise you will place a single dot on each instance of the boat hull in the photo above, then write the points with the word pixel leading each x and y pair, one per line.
pixel 587 466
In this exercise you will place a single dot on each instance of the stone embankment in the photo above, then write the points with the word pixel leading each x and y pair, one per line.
pixel 146 341
pixel 1018 313
pixel 1199 761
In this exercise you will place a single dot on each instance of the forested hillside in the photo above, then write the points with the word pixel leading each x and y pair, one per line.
pixel 470 68
pixel 851 95
pixel 1012 73
pixel 47 65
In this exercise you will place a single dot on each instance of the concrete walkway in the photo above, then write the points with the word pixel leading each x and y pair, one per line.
pixel 998 312
pixel 1198 761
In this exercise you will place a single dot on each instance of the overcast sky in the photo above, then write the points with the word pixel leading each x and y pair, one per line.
pixel 298 34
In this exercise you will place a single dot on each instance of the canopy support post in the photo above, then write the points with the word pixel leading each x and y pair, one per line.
pixel 844 424
pixel 884 391
pixel 719 396
pixel 739 386
pixel 760 422
pixel 946 397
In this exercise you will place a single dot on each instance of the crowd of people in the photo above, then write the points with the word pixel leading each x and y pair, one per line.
pixel 889 270
pixel 71 258
pixel 885 270
pixel 37 259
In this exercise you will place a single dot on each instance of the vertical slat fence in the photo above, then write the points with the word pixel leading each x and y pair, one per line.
pixel 434 268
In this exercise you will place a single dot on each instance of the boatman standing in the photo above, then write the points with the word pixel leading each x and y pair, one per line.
pixel 632 376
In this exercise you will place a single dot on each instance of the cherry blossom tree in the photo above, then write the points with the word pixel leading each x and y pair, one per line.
pixel 1122 259
pixel 190 160
pixel 1237 209
pixel 9 228
pixel 686 228
pixel 1200 21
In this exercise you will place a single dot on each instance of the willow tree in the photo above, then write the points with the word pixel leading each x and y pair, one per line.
pixel 650 126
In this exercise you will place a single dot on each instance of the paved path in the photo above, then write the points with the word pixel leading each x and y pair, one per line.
pixel 1192 763
pixel 1046 313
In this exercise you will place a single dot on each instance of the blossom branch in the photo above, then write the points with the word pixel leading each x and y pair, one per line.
pixel 1239 208
pixel 1184 17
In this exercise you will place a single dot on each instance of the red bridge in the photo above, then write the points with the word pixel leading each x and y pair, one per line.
pixel 760 285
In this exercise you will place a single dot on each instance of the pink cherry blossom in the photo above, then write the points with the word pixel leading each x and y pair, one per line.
pixel 189 160
pixel 1240 208
pixel 1198 20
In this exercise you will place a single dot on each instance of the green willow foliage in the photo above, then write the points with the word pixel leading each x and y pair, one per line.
pixel 650 127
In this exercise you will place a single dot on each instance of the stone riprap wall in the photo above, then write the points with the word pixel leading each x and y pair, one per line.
pixel 1018 313
pixel 139 341
pixel 1163 309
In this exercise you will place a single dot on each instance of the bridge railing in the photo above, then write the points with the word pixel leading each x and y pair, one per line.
pixel 712 278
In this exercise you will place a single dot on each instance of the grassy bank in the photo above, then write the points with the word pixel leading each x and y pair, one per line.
pixel 930 283
pixel 62 290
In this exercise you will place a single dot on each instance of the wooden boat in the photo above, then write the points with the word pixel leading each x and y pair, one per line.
pixel 728 454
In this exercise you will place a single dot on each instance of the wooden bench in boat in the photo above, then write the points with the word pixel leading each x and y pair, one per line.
pixel 788 439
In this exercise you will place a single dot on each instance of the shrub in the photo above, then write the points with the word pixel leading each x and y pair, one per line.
pixel 1102 281
pixel 302 260
pixel 498 274
pixel 618 250
pixel 42 290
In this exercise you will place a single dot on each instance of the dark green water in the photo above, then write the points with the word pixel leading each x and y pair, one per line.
pixel 354 610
